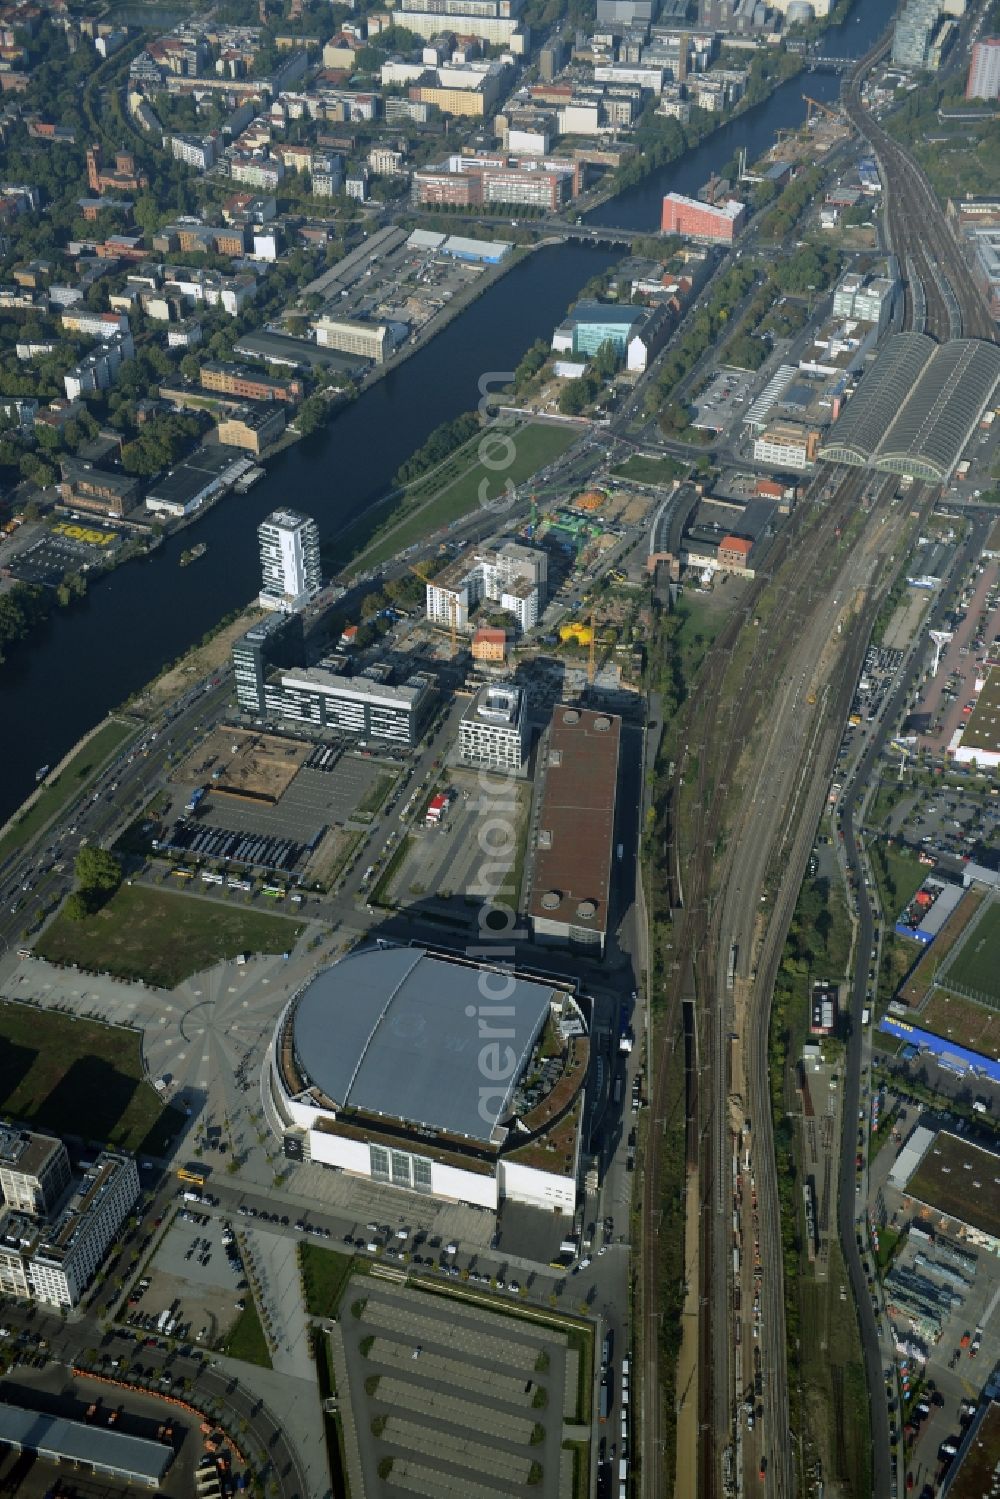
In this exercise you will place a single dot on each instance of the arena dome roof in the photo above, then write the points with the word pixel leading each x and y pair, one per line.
pixel 397 1032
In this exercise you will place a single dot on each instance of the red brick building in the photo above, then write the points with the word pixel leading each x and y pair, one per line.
pixel 720 223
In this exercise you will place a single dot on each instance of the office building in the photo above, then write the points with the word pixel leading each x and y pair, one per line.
pixel 374 341
pixel 569 903
pixel 590 325
pixel 101 491
pixel 34 1171
pixel 65 1259
pixel 248 384
pixel 276 641
pixel 493 731
pixel 362 707
pixel 376 1069
pixel 984 70
pixel 719 223
pixel 786 445
pixel 289 559
pixel 475 181
pixel 867 299
pixel 253 427
pixel 921 32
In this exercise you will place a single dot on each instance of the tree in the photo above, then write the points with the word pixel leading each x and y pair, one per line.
pixel 97 871
pixel 76 907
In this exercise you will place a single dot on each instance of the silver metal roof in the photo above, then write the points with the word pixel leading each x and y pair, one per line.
pixel 928 436
pixel 63 1441
pixel 867 417
pixel 433 1042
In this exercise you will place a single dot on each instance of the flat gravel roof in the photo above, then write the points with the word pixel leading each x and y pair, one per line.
pixel 397 1032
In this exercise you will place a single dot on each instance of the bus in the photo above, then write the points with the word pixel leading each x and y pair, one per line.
pixel 274 891
pixel 210 878
pixel 191 1175
pixel 183 874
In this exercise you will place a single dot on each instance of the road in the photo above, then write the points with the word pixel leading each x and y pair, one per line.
pixel 851 1203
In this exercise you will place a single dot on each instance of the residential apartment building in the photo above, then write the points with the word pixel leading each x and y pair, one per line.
pixel 200 153
pixel 289 559
pixel 916 39
pixel 253 427
pixel 64 1261
pixel 34 1171
pixel 984 70
pixel 374 341
pixel 362 707
pixel 193 238
pixel 82 321
pixel 250 385
pixel 257 171
pixel 276 641
pixel 98 370
pixel 495 21
pixel 493 731
pixel 720 223
pixel 786 445
pixel 513 576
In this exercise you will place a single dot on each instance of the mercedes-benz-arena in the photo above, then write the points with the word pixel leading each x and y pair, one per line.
pixel 429 1072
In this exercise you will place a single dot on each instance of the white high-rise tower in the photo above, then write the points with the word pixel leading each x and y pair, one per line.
pixel 289 559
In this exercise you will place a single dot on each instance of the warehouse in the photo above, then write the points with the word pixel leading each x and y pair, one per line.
pixel 868 416
pixel 182 490
pixel 434 1074
pixel 571 877
pixel 979 741
pixel 84 1449
pixel 955 1179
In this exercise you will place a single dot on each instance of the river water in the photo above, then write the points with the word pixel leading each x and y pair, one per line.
pixel 89 658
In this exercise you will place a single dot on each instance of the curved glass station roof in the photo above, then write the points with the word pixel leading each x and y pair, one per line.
pixel 869 414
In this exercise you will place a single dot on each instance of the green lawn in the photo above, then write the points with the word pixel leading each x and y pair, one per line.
pixel 534 446
pixel 324 1276
pixel 650 470
pixel 76 1076
pixel 163 936
pixel 81 768
pixel 907 875
pixel 375 795
pixel 976 966
pixel 245 1339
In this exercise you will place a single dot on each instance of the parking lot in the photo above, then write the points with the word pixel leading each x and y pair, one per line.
pixel 60 551
pixel 724 400
pixel 197 1276
pixel 975 624
pixel 445 862
pixel 452 1399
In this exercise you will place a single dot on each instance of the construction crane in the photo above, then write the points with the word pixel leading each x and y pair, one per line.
pixel 452 608
pixel 813 104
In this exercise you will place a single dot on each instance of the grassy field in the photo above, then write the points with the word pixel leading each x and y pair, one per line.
pixel 650 470
pixel 76 1076
pixel 324 1276
pixel 976 965
pixel 162 936
pixel 962 1021
pixel 906 875
pixel 534 446
pixel 71 780
pixel 245 1339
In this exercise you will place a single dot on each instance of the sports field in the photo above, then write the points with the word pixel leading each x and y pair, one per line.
pixel 929 968
pixel 78 1077
pixel 976 965
pixel 162 936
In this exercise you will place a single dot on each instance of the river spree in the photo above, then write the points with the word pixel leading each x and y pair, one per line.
pixel 93 656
